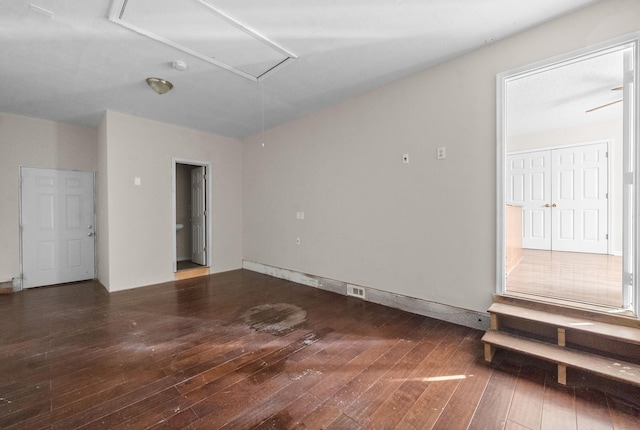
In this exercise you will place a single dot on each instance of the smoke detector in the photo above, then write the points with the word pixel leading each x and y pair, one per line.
pixel 179 65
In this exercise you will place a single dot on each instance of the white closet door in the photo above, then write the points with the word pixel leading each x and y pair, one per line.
pixel 529 186
pixel 57 217
pixel 579 199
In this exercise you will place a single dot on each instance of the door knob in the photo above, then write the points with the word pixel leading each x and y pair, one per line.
pixel 553 205
pixel 90 233
pixel 547 205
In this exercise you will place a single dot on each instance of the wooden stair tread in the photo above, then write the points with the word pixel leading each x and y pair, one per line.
pixel 611 368
pixel 619 332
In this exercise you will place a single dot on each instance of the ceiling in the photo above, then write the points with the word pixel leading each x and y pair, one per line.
pixel 561 96
pixel 65 60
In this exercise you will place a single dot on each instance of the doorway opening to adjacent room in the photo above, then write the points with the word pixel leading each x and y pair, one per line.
pixel 192 206
pixel 567 179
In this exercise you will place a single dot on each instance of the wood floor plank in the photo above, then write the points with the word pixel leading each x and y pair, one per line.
pixel 494 405
pixel 510 425
pixel 592 410
pixel 559 409
pixel 264 409
pixel 449 358
pixel 435 352
pixel 182 355
pixel 526 405
pixel 462 404
pixel 625 416
pixel 376 398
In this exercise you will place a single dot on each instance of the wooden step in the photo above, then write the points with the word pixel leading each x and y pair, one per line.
pixel 563 357
pixel 607 315
pixel 626 334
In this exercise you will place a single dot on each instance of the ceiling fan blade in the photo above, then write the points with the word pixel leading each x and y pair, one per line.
pixel 603 106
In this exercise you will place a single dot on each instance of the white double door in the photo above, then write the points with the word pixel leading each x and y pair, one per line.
pixel 57 226
pixel 563 194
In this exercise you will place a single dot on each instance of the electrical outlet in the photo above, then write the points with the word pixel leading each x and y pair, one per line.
pixel 405 158
pixel 441 153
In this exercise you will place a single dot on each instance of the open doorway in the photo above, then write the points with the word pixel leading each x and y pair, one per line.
pixel 567 163
pixel 191 209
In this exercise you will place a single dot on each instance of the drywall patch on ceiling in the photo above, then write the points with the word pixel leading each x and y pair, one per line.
pixel 204 31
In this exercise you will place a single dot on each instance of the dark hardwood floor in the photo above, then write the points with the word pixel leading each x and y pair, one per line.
pixel 211 352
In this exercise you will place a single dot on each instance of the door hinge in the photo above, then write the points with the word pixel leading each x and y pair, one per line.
pixel 627 278
pixel 629 77
pixel 204 176
pixel 204 249
pixel 606 195
pixel 606 236
pixel 606 154
pixel 628 178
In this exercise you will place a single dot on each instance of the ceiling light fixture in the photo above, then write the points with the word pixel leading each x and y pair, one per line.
pixel 160 86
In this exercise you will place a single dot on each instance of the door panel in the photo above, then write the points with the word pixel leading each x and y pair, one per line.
pixel 579 221
pixel 529 187
pixel 198 216
pixel 57 217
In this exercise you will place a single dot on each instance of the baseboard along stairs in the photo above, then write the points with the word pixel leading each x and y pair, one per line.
pixel 604 344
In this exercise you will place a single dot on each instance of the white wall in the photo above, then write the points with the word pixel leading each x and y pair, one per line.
pixel 34 143
pixel 102 198
pixel 610 131
pixel 426 229
pixel 140 220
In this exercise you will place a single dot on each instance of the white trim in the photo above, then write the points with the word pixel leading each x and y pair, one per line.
pixel 209 194
pixel 568 145
pixel 464 317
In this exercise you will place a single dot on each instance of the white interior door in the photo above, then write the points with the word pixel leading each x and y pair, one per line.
pixel 198 216
pixel 529 186
pixel 579 199
pixel 57 221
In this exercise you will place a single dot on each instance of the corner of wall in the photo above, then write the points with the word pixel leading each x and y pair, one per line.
pixel 102 205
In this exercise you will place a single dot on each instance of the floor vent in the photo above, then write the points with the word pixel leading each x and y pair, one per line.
pixel 355 291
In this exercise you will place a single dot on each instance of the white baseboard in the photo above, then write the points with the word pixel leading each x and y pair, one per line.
pixel 464 317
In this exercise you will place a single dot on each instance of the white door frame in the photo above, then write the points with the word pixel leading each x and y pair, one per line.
pixel 631 294
pixel 208 205
pixel 20 220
